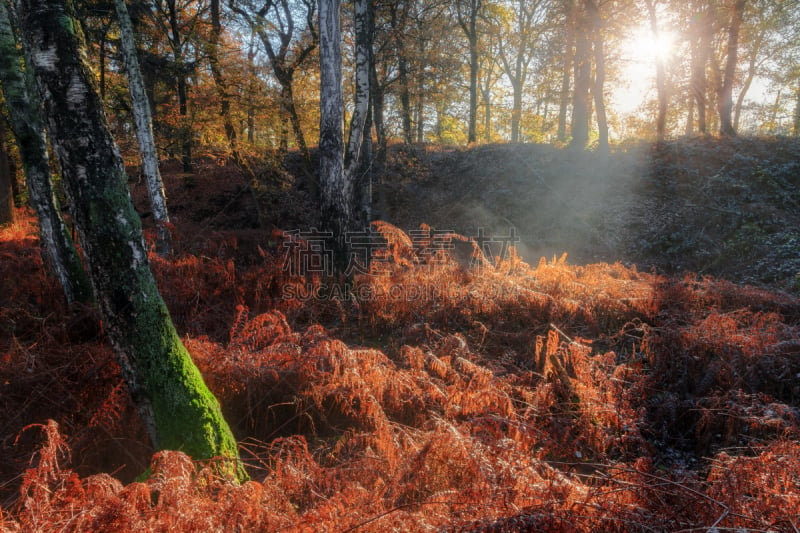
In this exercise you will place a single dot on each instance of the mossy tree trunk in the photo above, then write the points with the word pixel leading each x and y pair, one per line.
pixel 144 130
pixel 26 125
pixel 180 412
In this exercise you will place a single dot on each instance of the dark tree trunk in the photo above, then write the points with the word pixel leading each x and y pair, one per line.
pixel 183 105
pixel 725 95
pixel 599 76
pixel 704 29
pixel 583 78
pixel 178 409
pixel 468 21
pixel 661 83
pixel 337 190
pixel 27 127
pixel 405 98
pixel 6 191
pixel 287 101
pixel 797 111
pixel 569 41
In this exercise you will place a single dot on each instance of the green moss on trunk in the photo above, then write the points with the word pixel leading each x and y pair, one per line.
pixel 179 410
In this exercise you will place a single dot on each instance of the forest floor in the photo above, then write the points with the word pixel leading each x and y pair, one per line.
pixel 618 388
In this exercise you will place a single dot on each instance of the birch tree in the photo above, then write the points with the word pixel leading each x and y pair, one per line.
pixel 354 167
pixel 337 189
pixel 173 401
pixel 27 127
pixel 144 130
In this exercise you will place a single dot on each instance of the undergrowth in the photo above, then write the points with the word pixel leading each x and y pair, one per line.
pixel 433 394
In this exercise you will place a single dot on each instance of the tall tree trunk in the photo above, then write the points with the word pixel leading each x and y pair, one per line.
pixel 251 89
pixel 354 160
pixel 337 190
pixel 516 110
pixel 6 191
pixel 661 82
pixel 144 131
pixel 698 83
pixel 751 73
pixel 27 127
pixel 564 96
pixel 287 100
pixel 183 105
pixel 566 73
pixel 725 95
pixel 468 22
pixel 797 111
pixel 178 409
pixel 600 75
pixel 405 98
pixel 103 66
pixel 583 76
pixel 487 114
pixel 473 78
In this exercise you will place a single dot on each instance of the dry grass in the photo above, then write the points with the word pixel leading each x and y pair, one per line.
pixel 503 398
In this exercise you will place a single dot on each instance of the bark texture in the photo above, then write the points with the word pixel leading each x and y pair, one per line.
pixel 337 188
pixel 356 168
pixel 180 412
pixel 583 74
pixel 144 130
pixel 27 128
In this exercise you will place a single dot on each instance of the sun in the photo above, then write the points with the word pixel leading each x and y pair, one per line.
pixel 638 56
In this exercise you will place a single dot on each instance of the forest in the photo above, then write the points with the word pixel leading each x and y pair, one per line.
pixel 400 265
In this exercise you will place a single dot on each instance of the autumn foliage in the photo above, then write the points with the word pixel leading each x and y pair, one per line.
pixel 479 394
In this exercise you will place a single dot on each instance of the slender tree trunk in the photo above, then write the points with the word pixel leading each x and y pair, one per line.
pixel 473 79
pixel 600 75
pixel 287 100
pixel 405 98
pixel 797 111
pixel 103 66
pixel 569 40
pixel 183 106
pixel 487 114
pixel 337 190
pixel 6 191
pixel 564 96
pixel 144 131
pixel 583 75
pixel 698 84
pixel 354 160
pixel 178 409
pixel 361 108
pixel 516 110
pixel 751 73
pixel 661 83
pixel 725 95
pixel 26 125
pixel 251 106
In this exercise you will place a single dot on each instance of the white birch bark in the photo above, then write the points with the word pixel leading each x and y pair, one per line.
pixel 356 170
pixel 337 189
pixel 144 130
